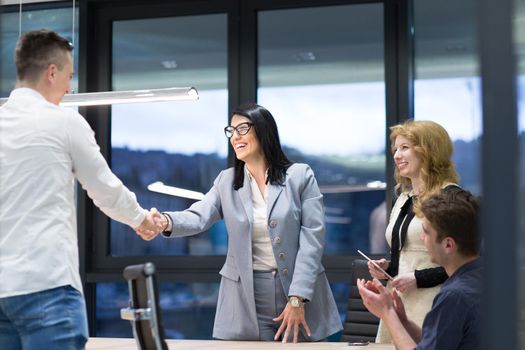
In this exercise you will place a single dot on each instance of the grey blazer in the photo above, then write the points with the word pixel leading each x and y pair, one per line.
pixel 297 232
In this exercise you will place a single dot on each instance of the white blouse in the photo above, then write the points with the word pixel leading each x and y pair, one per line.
pixel 262 251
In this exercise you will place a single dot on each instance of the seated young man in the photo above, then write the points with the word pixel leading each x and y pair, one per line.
pixel 451 236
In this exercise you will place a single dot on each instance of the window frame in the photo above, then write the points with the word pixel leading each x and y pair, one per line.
pixel 96 265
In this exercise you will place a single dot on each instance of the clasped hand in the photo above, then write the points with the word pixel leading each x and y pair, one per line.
pixel 153 224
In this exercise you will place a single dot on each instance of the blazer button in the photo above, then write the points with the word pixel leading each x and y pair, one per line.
pixel 277 240
pixel 285 272
pixel 273 224
pixel 282 255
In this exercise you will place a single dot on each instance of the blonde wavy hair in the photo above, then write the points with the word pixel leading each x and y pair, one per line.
pixel 433 147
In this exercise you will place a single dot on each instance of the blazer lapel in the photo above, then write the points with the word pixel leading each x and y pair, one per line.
pixel 245 193
pixel 244 255
pixel 273 193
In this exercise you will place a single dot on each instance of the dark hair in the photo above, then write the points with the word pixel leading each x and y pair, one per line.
pixel 36 50
pixel 268 136
pixel 454 213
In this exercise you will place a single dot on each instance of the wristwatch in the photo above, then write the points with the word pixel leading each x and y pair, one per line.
pixel 296 301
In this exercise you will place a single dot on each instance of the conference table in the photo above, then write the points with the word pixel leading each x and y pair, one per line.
pixel 129 344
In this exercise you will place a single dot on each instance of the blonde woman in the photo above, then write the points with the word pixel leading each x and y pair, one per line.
pixel 422 152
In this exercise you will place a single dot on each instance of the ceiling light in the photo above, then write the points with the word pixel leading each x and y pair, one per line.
pixel 306 56
pixel 133 96
pixel 159 187
pixel 169 64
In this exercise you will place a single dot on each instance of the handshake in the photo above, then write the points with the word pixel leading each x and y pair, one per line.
pixel 154 223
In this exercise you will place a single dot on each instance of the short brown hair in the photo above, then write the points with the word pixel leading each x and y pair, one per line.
pixel 454 213
pixel 36 50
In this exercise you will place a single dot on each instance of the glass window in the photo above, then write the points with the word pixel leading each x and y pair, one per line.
pixel 323 81
pixel 57 19
pixel 181 144
pixel 187 309
pixel 447 88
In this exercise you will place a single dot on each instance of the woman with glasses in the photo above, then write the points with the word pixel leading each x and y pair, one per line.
pixel 422 152
pixel 273 285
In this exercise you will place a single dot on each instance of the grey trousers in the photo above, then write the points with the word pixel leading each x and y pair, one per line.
pixel 270 301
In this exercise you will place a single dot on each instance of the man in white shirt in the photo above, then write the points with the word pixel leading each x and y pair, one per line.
pixel 43 147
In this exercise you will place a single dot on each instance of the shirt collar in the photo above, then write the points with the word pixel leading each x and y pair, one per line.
pixel 26 92
pixel 250 176
pixel 471 265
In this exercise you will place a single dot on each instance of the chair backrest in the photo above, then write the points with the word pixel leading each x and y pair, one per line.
pixel 360 324
pixel 143 310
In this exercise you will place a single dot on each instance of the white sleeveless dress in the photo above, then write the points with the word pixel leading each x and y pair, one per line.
pixel 413 256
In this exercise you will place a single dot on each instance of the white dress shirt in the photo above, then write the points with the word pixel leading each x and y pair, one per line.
pixel 42 148
pixel 262 251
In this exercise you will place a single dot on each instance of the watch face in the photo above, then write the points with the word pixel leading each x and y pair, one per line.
pixel 295 302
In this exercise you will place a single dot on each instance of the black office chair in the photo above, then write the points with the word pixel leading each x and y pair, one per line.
pixel 360 325
pixel 143 311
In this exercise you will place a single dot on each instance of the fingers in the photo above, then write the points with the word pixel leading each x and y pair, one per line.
pixel 395 284
pixel 292 319
pixel 363 290
pixel 279 331
pixel 146 235
pixel 405 282
pixel 379 286
pixel 399 307
pixel 396 298
pixel 295 332
pixel 375 272
pixel 286 334
pixel 306 328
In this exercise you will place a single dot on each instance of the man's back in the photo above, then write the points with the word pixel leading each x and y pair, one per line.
pixel 37 217
pixel 42 148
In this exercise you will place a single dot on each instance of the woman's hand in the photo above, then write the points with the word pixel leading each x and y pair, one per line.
pixel 375 272
pixel 291 318
pixel 405 282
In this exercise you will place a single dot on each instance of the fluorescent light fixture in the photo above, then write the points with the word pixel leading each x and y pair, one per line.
pixel 371 186
pixel 175 191
pixel 376 184
pixel 133 96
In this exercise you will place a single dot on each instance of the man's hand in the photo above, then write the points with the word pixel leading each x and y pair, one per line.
pixel 291 318
pixel 376 297
pixel 405 282
pixel 375 272
pixel 400 308
pixel 150 226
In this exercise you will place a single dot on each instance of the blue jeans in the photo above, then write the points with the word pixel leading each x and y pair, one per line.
pixel 52 319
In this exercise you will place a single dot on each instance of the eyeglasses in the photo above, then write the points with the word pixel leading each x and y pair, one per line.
pixel 241 129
